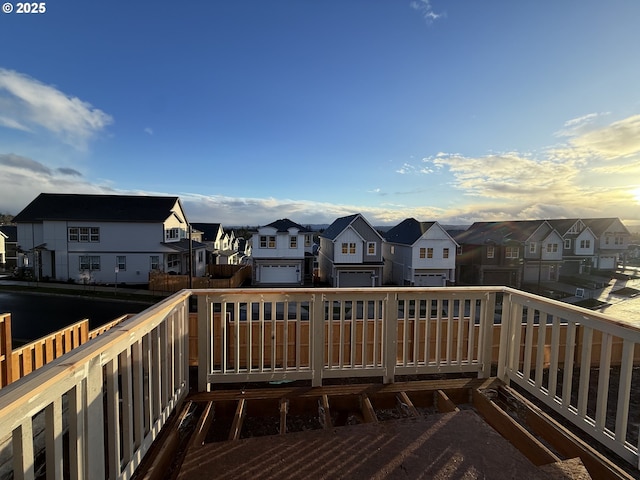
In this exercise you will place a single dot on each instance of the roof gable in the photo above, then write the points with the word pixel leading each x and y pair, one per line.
pixel 500 232
pixel 408 231
pixel 210 231
pixel 283 225
pixel 105 208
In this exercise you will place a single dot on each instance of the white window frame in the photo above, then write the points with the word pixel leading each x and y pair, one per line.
pixel 371 248
pixel 422 252
pixel 89 262
pixel 445 253
pixel 512 253
pixel 491 251
pixel 121 263
pixel 154 262
pixel 567 244
pixel 73 234
pixel 532 247
pixel 429 252
pixel 293 241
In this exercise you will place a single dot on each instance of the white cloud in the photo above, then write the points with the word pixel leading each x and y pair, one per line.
pixel 426 10
pixel 148 130
pixel 28 105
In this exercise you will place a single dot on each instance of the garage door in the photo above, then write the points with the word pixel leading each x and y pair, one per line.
pixel 278 274
pixel 354 279
pixel 607 263
pixel 429 280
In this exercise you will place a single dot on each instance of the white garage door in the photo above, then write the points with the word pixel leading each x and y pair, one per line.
pixel 354 279
pixel 278 274
pixel 607 263
pixel 429 280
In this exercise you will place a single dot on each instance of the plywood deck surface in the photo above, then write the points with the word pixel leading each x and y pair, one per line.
pixel 457 445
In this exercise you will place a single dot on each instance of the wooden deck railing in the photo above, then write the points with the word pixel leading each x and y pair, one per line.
pixel 119 388
pixel 103 403
pixel 18 362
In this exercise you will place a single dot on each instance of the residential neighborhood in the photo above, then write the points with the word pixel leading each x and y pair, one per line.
pixel 124 239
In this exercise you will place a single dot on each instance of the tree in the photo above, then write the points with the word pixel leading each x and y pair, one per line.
pixel 6 218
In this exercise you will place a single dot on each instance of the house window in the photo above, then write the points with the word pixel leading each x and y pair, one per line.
pixel 307 240
pixel 567 244
pixel 83 234
pixel 267 241
pixel 552 247
pixel 512 252
pixel 606 240
pixel 429 252
pixel 173 234
pixel 173 260
pixel 200 256
pixel 532 247
pixel 618 241
pixel 348 248
pixel 293 241
pixel 445 253
pixel 393 249
pixel 423 252
pixel 121 262
pixel 371 248
pixel 585 243
pixel 89 262
pixel 154 260
pixel 491 251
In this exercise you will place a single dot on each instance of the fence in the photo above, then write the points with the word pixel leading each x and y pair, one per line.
pixel 220 276
pixel 16 363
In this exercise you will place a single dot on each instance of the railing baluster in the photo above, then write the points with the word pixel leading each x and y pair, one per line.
pixel 53 427
pixel 624 391
pixel 555 354
pixel 567 376
pixel 603 381
pixel 585 371
pixel 113 418
pixel 528 344
pixel 23 458
pixel 541 351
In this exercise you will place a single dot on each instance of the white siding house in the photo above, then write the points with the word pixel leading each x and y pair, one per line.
pixel 106 238
pixel 420 254
pixel 350 253
pixel 278 251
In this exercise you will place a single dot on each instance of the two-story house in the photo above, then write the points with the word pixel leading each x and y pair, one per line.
pixel 11 254
pixel 106 238
pixel 578 247
pixel 612 241
pixel 350 253
pixel 420 254
pixel 509 253
pixel 279 250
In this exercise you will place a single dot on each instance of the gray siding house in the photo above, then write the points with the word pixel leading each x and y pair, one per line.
pixel 350 253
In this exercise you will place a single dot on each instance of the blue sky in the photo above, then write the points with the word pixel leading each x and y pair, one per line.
pixel 256 110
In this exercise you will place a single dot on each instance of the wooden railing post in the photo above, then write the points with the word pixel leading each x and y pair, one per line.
pixel 506 333
pixel 317 338
pixel 390 340
pixel 485 347
pixel 205 318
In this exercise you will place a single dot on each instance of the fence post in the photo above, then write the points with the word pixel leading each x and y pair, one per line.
pixel 317 338
pixel 390 341
pixel 6 350
pixel 485 347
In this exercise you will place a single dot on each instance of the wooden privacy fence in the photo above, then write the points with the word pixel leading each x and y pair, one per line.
pixel 15 364
pixel 220 276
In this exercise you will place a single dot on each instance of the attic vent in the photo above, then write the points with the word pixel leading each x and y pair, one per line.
pixel 580 292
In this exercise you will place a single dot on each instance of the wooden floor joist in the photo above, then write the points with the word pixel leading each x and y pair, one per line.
pixel 566 442
pixel 517 435
pixel 368 412
pixel 204 423
pixel 236 426
pixel 406 405
pixel 443 403
pixel 284 409
pixel 324 412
